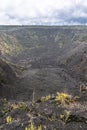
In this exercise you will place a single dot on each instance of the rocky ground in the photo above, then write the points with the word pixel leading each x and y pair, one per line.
pixel 46 112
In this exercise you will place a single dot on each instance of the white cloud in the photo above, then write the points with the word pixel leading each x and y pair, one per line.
pixel 43 12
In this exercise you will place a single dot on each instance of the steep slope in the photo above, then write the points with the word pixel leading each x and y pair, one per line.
pixel 7 78
pixel 76 62
pixel 9 45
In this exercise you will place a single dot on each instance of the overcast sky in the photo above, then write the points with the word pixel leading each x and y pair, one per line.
pixel 43 12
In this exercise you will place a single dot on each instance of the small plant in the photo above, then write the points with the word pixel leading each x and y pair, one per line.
pixel 26 128
pixel 39 127
pixel 22 106
pixel 14 106
pixel 44 99
pixel 8 119
pixel 33 127
pixel 65 116
pixel 62 98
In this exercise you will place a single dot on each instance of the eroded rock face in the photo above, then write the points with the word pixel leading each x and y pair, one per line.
pixel 7 76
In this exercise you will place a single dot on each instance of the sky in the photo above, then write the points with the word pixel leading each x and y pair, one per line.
pixel 43 12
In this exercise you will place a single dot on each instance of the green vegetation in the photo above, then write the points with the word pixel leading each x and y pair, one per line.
pixel 8 119
pixel 63 98
pixel 22 106
pixel 65 116
pixel 44 99
pixel 9 48
pixel 33 127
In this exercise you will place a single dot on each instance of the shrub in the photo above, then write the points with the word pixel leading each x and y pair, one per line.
pixel 8 119
pixel 33 127
pixel 44 99
pixel 62 98
pixel 65 116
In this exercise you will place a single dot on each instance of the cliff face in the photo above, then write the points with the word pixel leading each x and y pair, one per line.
pixel 7 77
pixel 6 73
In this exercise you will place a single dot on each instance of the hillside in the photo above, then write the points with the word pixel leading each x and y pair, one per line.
pixel 36 61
